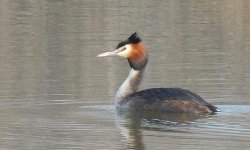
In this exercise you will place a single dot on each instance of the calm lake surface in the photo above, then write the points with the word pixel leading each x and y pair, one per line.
pixel 56 94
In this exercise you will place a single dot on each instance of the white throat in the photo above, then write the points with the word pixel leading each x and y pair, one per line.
pixel 130 85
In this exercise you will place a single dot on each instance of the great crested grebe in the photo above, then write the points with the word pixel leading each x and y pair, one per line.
pixel 160 99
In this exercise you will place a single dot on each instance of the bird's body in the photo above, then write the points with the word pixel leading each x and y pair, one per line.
pixel 156 99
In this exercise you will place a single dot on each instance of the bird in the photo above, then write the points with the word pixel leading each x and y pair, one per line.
pixel 172 100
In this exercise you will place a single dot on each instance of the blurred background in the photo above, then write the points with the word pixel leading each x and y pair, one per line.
pixel 49 68
pixel 48 48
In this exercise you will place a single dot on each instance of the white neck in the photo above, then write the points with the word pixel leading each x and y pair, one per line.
pixel 130 85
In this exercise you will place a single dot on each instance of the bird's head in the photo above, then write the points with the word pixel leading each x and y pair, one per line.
pixel 132 49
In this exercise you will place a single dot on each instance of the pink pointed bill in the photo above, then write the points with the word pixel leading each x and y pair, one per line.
pixel 107 54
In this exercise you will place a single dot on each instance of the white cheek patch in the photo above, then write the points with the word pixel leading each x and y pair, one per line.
pixel 125 53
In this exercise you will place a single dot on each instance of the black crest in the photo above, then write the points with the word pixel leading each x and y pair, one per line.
pixel 133 39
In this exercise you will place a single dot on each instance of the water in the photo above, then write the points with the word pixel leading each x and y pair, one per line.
pixel 55 93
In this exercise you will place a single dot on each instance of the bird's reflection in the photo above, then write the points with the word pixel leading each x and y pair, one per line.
pixel 131 124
